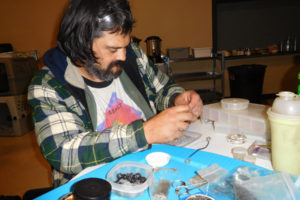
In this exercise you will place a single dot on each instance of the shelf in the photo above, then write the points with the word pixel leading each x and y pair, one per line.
pixel 207 73
pixel 261 55
pixel 253 55
pixel 189 59
pixel 196 76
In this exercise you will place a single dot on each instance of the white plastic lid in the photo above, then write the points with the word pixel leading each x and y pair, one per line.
pixel 234 103
pixel 158 159
pixel 286 106
pixel 287 103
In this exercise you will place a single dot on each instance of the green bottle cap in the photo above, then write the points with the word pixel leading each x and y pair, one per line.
pixel 298 91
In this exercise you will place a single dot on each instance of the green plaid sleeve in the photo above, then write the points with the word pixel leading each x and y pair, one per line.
pixel 160 88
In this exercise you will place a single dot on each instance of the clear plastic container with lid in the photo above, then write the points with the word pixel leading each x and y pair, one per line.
pixel 284 116
pixel 238 117
pixel 128 189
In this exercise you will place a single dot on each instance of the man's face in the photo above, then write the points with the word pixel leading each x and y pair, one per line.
pixel 110 51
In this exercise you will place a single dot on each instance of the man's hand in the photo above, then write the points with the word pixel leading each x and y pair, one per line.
pixel 192 99
pixel 168 125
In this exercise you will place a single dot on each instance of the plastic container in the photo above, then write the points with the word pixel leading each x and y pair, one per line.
pixel 130 190
pixel 284 119
pixel 239 152
pixel 251 121
pixel 236 138
pixel 92 189
pixel 234 103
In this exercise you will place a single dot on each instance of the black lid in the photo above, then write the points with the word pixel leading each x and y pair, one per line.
pixel 5 47
pixel 92 189
pixel 152 38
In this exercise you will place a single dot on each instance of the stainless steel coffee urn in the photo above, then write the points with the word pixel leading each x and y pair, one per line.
pixel 153 48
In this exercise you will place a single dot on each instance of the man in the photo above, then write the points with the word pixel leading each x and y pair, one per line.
pixel 98 98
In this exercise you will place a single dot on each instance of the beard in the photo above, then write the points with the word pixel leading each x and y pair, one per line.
pixel 108 74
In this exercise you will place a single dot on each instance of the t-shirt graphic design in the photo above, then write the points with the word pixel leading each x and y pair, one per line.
pixel 118 113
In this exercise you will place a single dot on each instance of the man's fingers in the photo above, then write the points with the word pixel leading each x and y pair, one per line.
pixel 182 108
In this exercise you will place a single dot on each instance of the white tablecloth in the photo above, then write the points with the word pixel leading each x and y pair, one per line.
pixel 219 144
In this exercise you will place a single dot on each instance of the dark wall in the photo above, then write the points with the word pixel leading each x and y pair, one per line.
pixel 255 23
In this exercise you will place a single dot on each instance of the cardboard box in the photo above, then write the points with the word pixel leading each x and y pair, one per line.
pixel 202 52
pixel 176 53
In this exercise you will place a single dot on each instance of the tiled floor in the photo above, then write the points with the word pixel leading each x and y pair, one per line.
pixel 22 166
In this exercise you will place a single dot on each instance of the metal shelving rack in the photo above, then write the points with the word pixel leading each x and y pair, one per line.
pixel 211 94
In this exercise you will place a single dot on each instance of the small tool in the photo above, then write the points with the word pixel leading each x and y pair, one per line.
pixel 188 160
pixel 213 125
pixel 156 169
pixel 181 188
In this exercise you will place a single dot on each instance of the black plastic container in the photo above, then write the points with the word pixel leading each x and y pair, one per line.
pixel 92 189
pixel 246 81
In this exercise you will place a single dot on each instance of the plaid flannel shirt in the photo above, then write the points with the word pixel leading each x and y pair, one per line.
pixel 64 129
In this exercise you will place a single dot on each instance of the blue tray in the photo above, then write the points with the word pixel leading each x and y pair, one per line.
pixel 178 154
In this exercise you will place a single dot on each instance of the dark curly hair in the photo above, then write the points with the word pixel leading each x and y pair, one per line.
pixel 85 20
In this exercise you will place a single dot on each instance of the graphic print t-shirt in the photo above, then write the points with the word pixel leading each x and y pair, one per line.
pixel 114 106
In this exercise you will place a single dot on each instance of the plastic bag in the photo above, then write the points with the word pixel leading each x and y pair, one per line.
pixel 160 190
pixel 161 184
pixel 272 187
pixel 213 173
pixel 224 188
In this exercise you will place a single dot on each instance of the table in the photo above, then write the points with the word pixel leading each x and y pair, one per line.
pixel 220 154
pixel 219 143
